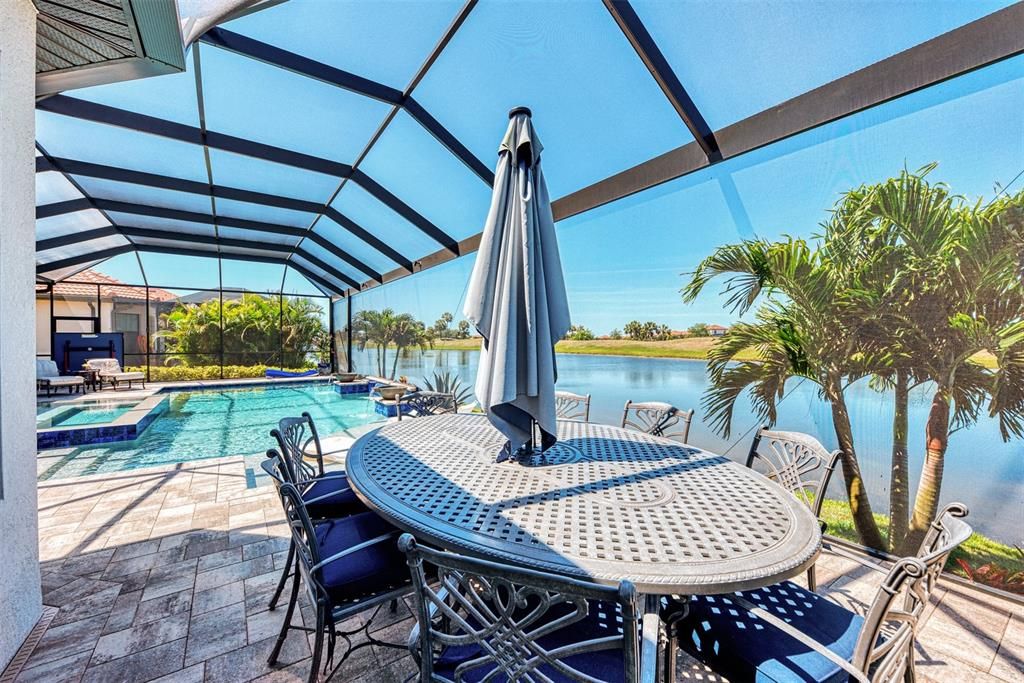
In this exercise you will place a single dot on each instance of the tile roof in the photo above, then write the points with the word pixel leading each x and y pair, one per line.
pixel 84 285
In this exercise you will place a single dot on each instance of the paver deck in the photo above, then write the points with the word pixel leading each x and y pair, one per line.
pixel 164 574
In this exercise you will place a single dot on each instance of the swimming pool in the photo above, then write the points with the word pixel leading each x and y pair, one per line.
pixel 78 415
pixel 216 423
pixel 67 414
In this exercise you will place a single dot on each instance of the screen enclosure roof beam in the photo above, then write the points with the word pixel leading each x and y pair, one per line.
pixel 973 46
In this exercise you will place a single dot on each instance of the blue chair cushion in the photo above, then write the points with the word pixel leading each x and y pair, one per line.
pixel 370 570
pixel 742 647
pixel 602 620
pixel 343 502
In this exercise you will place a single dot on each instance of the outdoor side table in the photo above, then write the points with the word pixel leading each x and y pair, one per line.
pixel 91 378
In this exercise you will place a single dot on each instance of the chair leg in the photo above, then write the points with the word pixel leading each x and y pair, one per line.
pixel 287 623
pixel 318 645
pixel 812 580
pixel 910 675
pixel 284 575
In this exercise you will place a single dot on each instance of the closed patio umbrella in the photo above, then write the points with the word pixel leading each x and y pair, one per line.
pixel 516 296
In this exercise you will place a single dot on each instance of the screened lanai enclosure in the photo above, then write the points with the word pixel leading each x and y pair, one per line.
pixel 314 165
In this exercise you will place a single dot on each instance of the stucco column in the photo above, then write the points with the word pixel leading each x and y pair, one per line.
pixel 20 597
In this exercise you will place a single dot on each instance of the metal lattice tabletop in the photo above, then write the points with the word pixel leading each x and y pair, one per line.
pixel 604 503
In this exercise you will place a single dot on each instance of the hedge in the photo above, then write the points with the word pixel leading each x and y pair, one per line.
pixel 180 373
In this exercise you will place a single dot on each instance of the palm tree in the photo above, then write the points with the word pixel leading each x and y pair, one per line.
pixel 375 328
pixel 975 304
pixel 798 332
pixel 861 242
pixel 916 282
pixel 943 279
pixel 407 332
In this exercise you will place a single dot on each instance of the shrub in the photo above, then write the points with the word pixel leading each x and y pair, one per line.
pixel 579 333
pixel 187 373
pixel 615 334
pixel 698 330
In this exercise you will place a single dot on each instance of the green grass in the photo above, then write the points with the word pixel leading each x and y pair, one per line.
pixel 976 550
pixel 693 349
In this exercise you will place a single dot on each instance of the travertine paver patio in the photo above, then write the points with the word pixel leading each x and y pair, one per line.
pixel 164 574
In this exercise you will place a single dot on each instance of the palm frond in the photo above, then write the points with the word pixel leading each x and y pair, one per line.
pixel 747 270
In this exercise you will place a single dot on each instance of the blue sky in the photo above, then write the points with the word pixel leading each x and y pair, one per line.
pixel 597 111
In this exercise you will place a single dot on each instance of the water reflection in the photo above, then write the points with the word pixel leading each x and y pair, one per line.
pixel 981 470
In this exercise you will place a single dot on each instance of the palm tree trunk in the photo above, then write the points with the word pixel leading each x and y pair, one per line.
pixel 926 503
pixel 899 483
pixel 394 365
pixel 382 359
pixel 856 492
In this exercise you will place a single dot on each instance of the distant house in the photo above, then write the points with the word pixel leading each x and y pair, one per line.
pixel 91 295
pixel 717 330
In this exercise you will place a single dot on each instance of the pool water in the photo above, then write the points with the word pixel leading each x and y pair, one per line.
pixel 79 414
pixel 216 423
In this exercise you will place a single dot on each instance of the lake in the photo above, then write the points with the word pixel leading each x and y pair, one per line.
pixel 981 470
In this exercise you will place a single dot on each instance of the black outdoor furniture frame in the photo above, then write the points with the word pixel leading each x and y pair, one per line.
pixel 972 46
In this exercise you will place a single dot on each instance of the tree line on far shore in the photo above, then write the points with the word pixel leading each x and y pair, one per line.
pixel 640 331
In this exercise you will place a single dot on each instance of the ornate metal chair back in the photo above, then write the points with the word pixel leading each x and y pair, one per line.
pixel 504 611
pixel 658 419
pixel 274 467
pixel 570 406
pixel 885 647
pixel 795 461
pixel 304 540
pixel 426 403
pixel 294 436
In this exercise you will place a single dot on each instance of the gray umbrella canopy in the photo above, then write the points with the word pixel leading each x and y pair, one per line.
pixel 516 296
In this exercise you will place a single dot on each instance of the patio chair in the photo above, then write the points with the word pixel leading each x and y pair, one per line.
pixel 570 406
pixel 483 621
pixel 348 566
pixel 426 403
pixel 48 377
pixel 800 464
pixel 327 495
pixel 109 370
pixel 786 633
pixel 658 419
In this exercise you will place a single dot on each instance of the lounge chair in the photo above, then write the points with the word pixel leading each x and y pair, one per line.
pixel 109 370
pixel 48 377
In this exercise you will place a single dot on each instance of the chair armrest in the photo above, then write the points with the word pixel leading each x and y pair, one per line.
pixel 316 499
pixel 354 549
pixel 848 555
pixel 330 475
pixel 799 635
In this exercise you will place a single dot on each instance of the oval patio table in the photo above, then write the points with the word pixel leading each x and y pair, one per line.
pixel 605 504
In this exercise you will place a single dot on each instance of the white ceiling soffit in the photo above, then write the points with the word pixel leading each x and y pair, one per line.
pixel 82 43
